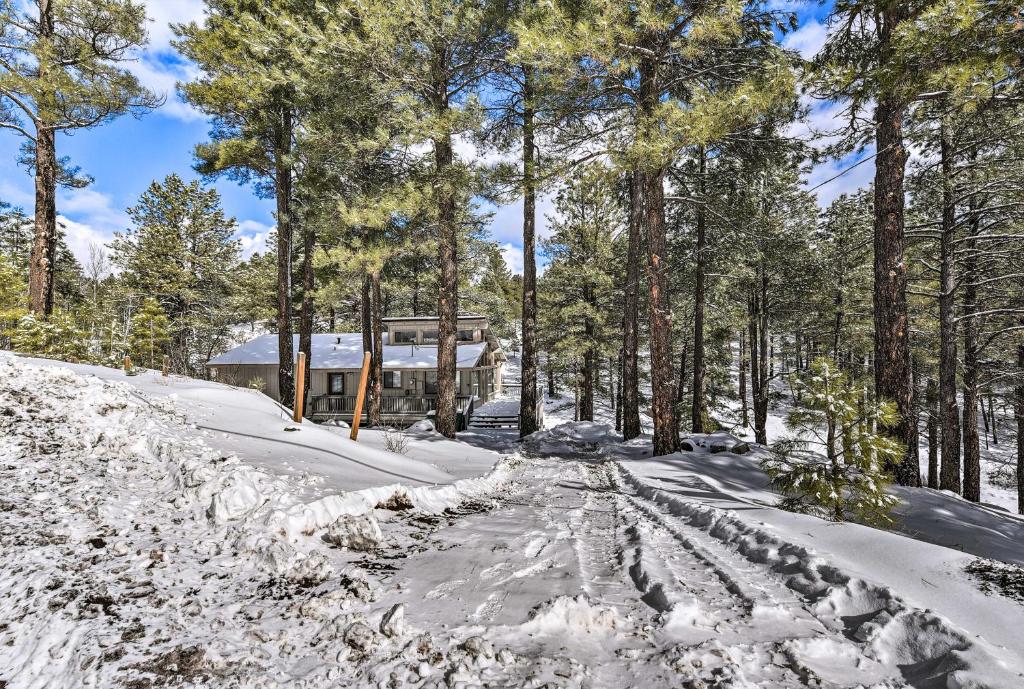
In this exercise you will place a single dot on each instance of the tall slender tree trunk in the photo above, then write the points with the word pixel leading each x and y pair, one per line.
pixel 757 327
pixel 892 334
pixel 744 417
pixel 932 402
pixel 448 281
pixel 972 449
pixel 589 362
pixel 992 417
pixel 366 319
pixel 528 392
pixel 666 439
pixel 631 315
pixel 949 414
pixel 375 380
pixel 283 197
pixel 698 389
pixel 306 317
pixel 1018 412
pixel 551 380
pixel 764 375
pixel 618 393
pixel 44 245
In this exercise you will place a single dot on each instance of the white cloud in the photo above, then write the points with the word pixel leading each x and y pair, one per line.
pixel 253 237
pixel 159 66
pixel 513 256
pixel 94 208
pixel 507 222
pixel 80 235
pixel 807 39
pixel 162 13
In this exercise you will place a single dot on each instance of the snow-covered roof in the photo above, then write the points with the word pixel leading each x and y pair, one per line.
pixel 345 350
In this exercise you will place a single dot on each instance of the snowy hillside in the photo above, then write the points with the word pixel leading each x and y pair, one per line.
pixel 142 551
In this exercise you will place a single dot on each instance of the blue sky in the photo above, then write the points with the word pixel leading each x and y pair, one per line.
pixel 125 156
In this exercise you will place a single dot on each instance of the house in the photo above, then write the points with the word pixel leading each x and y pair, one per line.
pixel 409 363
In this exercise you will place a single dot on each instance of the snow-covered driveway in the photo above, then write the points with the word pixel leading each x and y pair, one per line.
pixel 133 554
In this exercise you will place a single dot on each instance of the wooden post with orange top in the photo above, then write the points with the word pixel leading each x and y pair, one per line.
pixel 300 387
pixel 360 395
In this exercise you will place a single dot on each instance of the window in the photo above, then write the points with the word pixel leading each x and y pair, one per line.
pixel 430 336
pixel 392 379
pixel 405 337
pixel 467 335
pixel 430 383
pixel 458 382
pixel 335 383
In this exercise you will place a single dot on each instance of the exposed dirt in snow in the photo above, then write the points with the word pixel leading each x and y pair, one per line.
pixel 135 555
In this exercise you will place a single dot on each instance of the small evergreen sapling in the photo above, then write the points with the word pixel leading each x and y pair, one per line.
pixel 831 464
pixel 149 334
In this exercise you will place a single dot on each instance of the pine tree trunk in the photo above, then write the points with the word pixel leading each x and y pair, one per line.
pixel 528 392
pixel 744 418
pixel 932 402
pixel 375 379
pixel 448 280
pixel 44 245
pixel 283 197
pixel 697 390
pixel 1018 411
pixel 972 448
pixel 666 439
pixel 892 335
pixel 758 385
pixel 949 414
pixel 984 417
pixel 631 316
pixel 551 381
pixel 992 417
pixel 366 320
pixel 618 394
pixel 763 365
pixel 589 363
pixel 306 318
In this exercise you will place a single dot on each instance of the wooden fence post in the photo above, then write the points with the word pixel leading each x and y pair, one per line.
pixel 300 388
pixel 360 396
pixel 167 365
pixel 127 363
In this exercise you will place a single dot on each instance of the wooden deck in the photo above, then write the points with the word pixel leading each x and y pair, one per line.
pixel 402 411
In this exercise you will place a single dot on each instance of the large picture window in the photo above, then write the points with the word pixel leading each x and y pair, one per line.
pixel 429 337
pixel 335 383
pixel 466 336
pixel 392 379
pixel 430 383
pixel 405 337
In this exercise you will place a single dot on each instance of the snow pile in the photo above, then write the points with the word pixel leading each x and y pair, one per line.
pixel 135 553
pixel 572 616
pixel 572 439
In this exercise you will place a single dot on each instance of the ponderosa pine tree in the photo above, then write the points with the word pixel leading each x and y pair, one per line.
pixel 577 285
pixel 181 251
pixel 62 69
pixel 245 51
pixel 436 55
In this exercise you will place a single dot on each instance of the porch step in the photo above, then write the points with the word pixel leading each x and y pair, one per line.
pixel 493 421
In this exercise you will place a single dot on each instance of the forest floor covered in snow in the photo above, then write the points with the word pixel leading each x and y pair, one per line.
pixel 167 535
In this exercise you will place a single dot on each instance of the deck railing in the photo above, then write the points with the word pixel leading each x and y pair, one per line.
pixel 343 405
